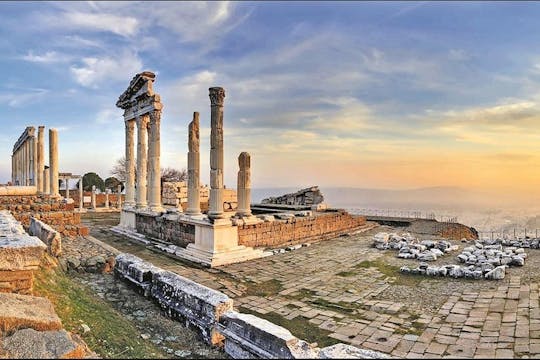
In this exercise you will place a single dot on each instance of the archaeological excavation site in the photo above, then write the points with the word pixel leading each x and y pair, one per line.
pixel 179 269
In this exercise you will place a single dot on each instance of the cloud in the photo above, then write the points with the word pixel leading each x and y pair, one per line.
pixel 108 116
pixel 46 58
pixel 23 97
pixel 120 25
pixel 94 71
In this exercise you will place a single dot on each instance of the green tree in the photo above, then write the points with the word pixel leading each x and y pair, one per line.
pixel 92 178
pixel 112 184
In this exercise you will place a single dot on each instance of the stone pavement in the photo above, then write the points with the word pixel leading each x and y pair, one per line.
pixel 354 293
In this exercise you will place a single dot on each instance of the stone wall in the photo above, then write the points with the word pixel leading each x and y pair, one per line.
pixel 166 229
pixel 51 211
pixel 296 230
pixel 48 235
pixel 308 196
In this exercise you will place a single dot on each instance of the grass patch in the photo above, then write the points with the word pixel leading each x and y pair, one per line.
pixel 299 327
pixel 266 288
pixel 346 273
pixel 111 335
pixel 391 271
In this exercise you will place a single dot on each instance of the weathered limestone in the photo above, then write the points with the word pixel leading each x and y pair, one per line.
pixel 18 190
pixel 142 105
pixel 48 235
pixel 309 196
pixel 215 211
pixel 142 161
pixel 46 180
pixel 53 162
pixel 40 158
pixel 244 185
pixel 130 163
pixel 94 197
pixel 32 344
pixel 25 311
pixel 194 202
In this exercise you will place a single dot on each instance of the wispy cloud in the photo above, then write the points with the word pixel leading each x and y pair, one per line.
pixel 22 97
pixel 45 58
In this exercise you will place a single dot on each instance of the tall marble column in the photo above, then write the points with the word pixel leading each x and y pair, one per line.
pixel 142 136
pixel 12 169
pixel 28 162
pixel 34 162
pixel 53 162
pixel 67 188
pixel 81 194
pixel 130 163
pixel 40 158
pixel 46 180
pixel 217 95
pixel 243 189
pixel 154 167
pixel 194 202
pixel 93 197
pixel 24 149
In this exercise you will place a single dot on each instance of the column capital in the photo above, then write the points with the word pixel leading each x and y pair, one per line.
pixel 217 96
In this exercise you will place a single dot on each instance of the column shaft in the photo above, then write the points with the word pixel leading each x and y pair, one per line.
pixel 243 190
pixel 81 194
pixel 47 181
pixel 154 167
pixel 53 162
pixel 194 202
pixel 34 151
pixel 67 188
pixel 215 210
pixel 142 135
pixel 40 158
pixel 94 197
pixel 130 163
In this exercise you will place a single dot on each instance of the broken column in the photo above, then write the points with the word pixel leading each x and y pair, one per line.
pixel 107 198
pixel 130 163
pixel 244 185
pixel 142 134
pixel 94 197
pixel 215 209
pixel 81 194
pixel 194 203
pixel 53 162
pixel 40 159
pixel 46 180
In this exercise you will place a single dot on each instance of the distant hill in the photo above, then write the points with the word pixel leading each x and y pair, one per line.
pixel 432 198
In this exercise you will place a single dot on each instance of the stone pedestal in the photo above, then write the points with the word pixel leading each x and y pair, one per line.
pixel 217 244
pixel 127 219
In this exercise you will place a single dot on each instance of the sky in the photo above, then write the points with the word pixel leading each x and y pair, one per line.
pixel 373 94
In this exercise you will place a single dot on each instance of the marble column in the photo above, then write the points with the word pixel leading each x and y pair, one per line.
pixel 12 169
pixel 67 188
pixel 107 198
pixel 40 158
pixel 28 162
pixel 119 196
pixel 34 162
pixel 243 190
pixel 154 167
pixel 142 136
pixel 81 194
pixel 94 197
pixel 217 95
pixel 24 163
pixel 130 163
pixel 46 180
pixel 194 202
pixel 53 162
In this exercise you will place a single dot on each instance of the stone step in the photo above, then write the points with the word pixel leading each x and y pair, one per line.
pixel 32 344
pixel 25 311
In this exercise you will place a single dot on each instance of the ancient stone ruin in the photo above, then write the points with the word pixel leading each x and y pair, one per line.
pixel 308 196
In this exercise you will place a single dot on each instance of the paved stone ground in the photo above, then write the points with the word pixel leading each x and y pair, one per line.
pixel 355 294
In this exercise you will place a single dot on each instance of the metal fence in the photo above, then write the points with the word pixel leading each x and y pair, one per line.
pixel 515 233
pixel 410 214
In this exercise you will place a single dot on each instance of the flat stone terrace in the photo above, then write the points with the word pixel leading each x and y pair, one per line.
pixel 350 292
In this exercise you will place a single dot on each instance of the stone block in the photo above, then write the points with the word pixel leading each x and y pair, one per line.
pixel 25 311
pixel 48 235
pixel 199 305
pixel 137 271
pixel 343 351
pixel 248 336
pixel 32 344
